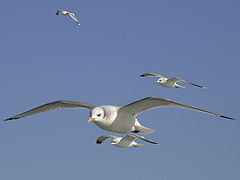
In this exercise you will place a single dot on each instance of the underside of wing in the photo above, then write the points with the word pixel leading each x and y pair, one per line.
pixel 194 84
pixel 149 103
pixel 129 138
pixel 62 104
pixel 174 80
pixel 74 18
pixel 144 139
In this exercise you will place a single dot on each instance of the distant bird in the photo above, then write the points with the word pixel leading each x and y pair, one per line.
pixel 127 141
pixel 119 119
pixel 169 83
pixel 66 13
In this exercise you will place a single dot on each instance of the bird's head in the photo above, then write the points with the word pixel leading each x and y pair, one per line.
pixel 161 80
pixel 97 114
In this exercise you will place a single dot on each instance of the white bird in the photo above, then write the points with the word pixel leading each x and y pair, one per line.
pixel 127 141
pixel 66 13
pixel 114 118
pixel 171 82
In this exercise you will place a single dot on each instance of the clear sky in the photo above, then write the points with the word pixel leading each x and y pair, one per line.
pixel 45 57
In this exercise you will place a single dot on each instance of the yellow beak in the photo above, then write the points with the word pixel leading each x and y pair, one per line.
pixel 91 119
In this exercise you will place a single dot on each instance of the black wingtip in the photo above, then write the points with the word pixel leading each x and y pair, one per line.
pixel 7 119
pixel 98 142
pixel 227 117
pixel 11 118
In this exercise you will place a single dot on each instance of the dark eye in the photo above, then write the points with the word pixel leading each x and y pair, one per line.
pixel 98 115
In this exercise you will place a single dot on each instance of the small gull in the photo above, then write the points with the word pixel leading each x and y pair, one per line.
pixel 127 141
pixel 115 118
pixel 66 13
pixel 171 82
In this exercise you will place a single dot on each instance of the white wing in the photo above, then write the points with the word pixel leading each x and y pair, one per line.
pixel 174 80
pixel 126 141
pixel 148 103
pixel 63 104
pixel 129 138
pixel 74 18
pixel 151 75
pixel 101 139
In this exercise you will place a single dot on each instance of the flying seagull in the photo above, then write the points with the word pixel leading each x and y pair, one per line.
pixel 66 13
pixel 127 141
pixel 171 82
pixel 115 118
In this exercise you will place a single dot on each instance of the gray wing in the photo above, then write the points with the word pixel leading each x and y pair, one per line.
pixel 58 11
pixel 143 139
pixel 63 104
pixel 174 80
pixel 151 75
pixel 74 18
pixel 101 139
pixel 129 138
pixel 148 103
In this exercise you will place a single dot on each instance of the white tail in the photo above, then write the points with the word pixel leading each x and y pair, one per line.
pixel 144 130
pixel 138 145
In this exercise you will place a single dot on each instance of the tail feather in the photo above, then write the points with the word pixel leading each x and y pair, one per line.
pixel 138 145
pixel 145 130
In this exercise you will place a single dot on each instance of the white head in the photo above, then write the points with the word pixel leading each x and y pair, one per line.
pixel 97 114
pixel 161 80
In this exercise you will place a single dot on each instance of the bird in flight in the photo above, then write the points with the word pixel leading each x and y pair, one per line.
pixel 119 119
pixel 171 82
pixel 66 13
pixel 126 142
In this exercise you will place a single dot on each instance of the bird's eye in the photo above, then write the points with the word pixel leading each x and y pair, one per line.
pixel 98 115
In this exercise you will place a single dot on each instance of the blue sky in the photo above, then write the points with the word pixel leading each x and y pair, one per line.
pixel 45 57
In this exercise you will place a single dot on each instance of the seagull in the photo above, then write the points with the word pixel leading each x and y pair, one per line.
pixel 171 82
pixel 127 141
pixel 119 119
pixel 66 13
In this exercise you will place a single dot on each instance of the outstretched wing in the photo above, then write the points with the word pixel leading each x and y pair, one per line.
pixel 63 104
pixel 148 103
pixel 101 139
pixel 151 75
pixel 58 11
pixel 74 18
pixel 143 139
pixel 174 80
pixel 129 138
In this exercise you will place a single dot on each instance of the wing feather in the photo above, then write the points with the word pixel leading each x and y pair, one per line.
pixel 144 139
pixel 151 75
pixel 148 103
pixel 74 18
pixel 62 104
pixel 58 11
pixel 101 139
pixel 174 80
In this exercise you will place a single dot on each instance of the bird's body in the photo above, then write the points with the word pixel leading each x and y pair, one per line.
pixel 66 13
pixel 118 122
pixel 125 142
pixel 114 118
pixel 169 82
